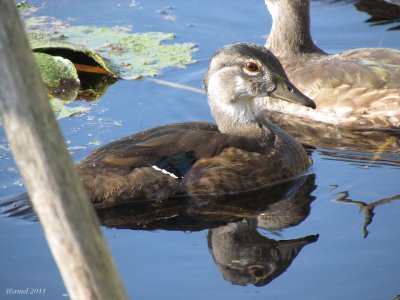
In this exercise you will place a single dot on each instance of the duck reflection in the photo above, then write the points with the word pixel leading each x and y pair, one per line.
pixel 382 12
pixel 365 146
pixel 278 206
pixel 244 256
pixel 240 251
pixel 194 214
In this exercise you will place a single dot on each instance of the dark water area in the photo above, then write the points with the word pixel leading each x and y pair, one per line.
pixel 333 234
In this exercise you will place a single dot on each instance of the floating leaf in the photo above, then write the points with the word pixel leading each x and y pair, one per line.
pixel 59 75
pixel 63 111
pixel 94 74
pixel 130 55
pixel 56 44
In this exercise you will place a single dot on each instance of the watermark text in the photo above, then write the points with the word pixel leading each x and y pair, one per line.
pixel 25 291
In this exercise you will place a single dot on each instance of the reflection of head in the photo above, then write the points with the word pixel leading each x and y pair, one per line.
pixel 244 256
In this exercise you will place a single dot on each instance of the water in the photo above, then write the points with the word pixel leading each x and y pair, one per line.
pixel 174 264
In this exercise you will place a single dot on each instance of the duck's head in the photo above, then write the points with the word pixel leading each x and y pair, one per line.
pixel 240 73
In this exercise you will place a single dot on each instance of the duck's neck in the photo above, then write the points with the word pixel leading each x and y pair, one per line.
pixel 290 32
pixel 255 125
pixel 249 122
pixel 238 120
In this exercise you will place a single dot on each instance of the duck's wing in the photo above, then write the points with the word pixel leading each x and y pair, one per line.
pixel 151 164
pixel 388 59
pixel 131 168
pixel 247 164
pixel 121 145
pixel 364 68
pixel 355 88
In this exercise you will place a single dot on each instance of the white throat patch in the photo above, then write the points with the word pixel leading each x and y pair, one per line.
pixel 235 102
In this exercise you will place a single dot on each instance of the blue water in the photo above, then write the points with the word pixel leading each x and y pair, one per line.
pixel 175 265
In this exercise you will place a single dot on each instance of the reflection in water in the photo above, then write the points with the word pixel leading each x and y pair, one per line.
pixel 211 212
pixel 367 209
pixel 289 211
pixel 244 256
pixel 94 86
pixel 365 160
pixel 363 147
pixel 366 148
pixel 17 206
pixel 382 12
pixel 241 253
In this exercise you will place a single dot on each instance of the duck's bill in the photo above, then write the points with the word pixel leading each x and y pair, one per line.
pixel 285 90
pixel 289 248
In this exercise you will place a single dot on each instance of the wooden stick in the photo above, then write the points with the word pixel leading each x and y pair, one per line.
pixel 67 217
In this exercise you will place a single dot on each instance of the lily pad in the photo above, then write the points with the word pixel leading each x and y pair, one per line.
pixel 59 75
pixel 62 110
pixel 55 57
pixel 129 55
pixel 84 59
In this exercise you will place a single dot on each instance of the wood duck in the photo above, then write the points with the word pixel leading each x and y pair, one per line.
pixel 244 151
pixel 357 88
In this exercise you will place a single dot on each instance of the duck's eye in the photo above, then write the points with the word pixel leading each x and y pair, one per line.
pixel 252 66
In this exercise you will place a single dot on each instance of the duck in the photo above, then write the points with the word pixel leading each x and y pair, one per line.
pixel 242 151
pixel 358 88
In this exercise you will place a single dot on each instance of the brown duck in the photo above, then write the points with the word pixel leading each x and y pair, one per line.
pixel 243 151
pixel 358 88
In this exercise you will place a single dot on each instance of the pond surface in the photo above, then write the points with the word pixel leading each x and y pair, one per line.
pixel 349 260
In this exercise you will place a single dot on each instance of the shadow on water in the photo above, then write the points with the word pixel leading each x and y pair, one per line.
pixel 242 254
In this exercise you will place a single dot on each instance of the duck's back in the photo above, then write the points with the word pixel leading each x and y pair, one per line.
pixel 359 88
pixel 193 159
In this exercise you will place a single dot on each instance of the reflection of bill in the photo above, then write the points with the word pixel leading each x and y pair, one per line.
pixel 244 256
